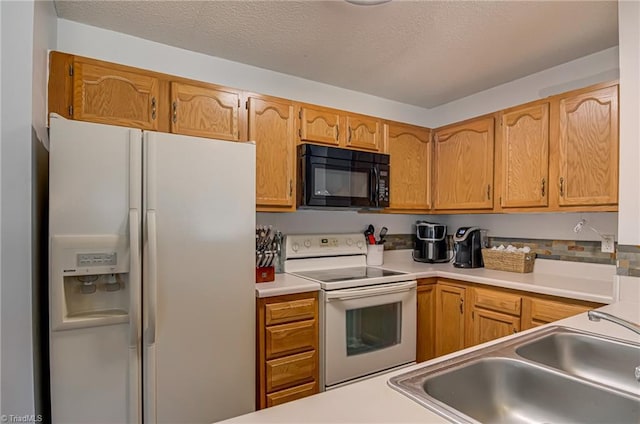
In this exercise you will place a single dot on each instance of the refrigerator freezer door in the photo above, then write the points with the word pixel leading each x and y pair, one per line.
pixel 199 322
pixel 95 365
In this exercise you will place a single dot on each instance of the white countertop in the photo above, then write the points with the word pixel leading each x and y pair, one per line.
pixel 591 282
pixel 373 401
pixel 285 284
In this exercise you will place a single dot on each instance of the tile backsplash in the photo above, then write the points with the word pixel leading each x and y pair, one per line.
pixel 562 250
pixel 628 260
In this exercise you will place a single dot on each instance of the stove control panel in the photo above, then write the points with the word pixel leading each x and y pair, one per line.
pixel 318 245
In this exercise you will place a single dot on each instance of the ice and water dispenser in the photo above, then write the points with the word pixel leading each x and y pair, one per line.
pixel 89 281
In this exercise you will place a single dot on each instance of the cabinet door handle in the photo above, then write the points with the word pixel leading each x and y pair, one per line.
pixel 349 138
pixel 544 182
pixel 290 188
pixel 461 304
pixel 175 112
pixel 488 191
pixel 153 108
pixel 561 187
pixel 337 133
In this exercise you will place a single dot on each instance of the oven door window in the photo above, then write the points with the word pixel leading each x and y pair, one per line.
pixel 373 328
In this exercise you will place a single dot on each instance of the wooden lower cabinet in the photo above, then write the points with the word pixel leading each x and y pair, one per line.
pixel 426 325
pixel 287 395
pixel 490 325
pixel 287 348
pixel 450 318
pixel 495 313
pixel 467 314
pixel 541 310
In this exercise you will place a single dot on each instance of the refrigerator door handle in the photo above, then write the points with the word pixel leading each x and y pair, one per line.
pixel 134 277
pixel 152 280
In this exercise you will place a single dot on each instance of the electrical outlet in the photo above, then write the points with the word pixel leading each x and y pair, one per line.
pixel 608 243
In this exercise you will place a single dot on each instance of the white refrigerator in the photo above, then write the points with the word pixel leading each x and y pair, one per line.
pixel 151 276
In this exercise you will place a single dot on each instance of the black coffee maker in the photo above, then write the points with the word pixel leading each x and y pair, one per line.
pixel 467 248
pixel 431 242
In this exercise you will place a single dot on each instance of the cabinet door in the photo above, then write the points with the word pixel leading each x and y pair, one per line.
pixel 205 111
pixel 450 328
pixel 490 325
pixel 524 148
pixel 410 167
pixel 115 95
pixel 588 148
pixel 464 165
pixel 320 125
pixel 537 311
pixel 426 326
pixel 272 127
pixel 364 133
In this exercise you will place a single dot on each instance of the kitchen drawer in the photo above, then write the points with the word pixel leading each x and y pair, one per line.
pixel 287 339
pixel 291 371
pixel 292 393
pixel 543 311
pixel 294 310
pixel 497 301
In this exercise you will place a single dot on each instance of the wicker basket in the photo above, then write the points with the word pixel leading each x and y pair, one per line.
pixel 508 261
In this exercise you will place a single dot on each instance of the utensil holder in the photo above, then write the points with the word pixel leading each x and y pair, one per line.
pixel 265 274
pixel 375 254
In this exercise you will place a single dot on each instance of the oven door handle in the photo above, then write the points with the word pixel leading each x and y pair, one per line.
pixel 383 289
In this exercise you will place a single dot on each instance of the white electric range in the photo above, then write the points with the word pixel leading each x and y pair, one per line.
pixel 367 314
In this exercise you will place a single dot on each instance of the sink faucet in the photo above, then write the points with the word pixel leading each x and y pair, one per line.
pixel 597 316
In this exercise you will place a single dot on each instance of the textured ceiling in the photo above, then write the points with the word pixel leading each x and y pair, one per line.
pixel 424 53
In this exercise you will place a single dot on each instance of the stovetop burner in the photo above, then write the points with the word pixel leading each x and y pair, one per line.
pixel 347 274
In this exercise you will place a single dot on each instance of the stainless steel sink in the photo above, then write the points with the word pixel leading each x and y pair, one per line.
pixel 593 358
pixel 533 378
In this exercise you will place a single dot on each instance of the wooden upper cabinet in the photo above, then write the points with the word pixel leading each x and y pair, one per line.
pixel 410 167
pixel 272 127
pixel 464 165
pixel 113 94
pixel 364 133
pixel 524 152
pixel 320 125
pixel 588 148
pixel 205 111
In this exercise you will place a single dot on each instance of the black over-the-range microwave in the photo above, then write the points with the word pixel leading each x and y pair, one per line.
pixel 330 177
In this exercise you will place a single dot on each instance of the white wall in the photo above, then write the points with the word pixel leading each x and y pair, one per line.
pixel 591 69
pixel 629 211
pixel 17 388
pixel 316 221
pixel 542 226
pixel 111 46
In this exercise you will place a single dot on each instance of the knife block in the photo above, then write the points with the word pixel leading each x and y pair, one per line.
pixel 265 274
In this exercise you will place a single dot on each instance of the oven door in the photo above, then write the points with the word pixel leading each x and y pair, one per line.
pixel 334 182
pixel 368 329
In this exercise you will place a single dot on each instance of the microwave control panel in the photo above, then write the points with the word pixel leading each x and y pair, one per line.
pixel 383 188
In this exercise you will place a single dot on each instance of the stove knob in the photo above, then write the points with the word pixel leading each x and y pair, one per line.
pixel 360 245
pixel 307 243
pixel 349 242
pixel 295 247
